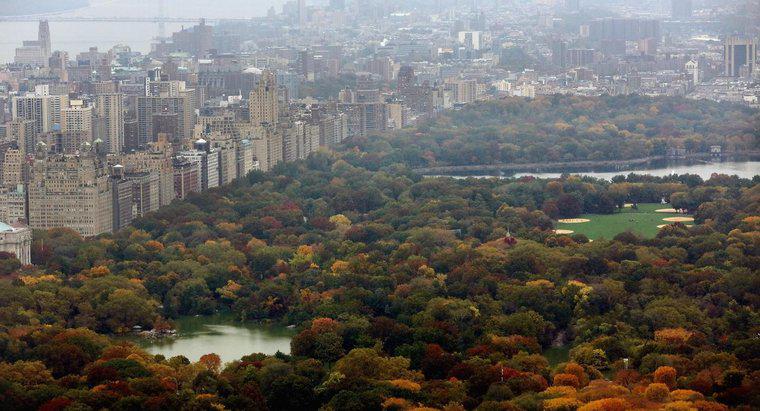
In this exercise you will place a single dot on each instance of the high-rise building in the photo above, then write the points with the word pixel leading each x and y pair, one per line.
pixel 123 203
pixel 245 158
pixel 263 103
pixel 465 90
pixel 157 158
pixel 14 168
pixel 406 78
pixel 300 140
pixel 181 104
pixel 737 53
pixel 22 132
pixel 624 29
pixel 559 53
pixel 68 142
pixel 187 177
pixel 146 190
pixel 580 57
pixel 207 160
pixel 267 147
pixel 110 108
pixel 36 52
pixel 13 204
pixel 70 191
pixel 681 9
pixel 167 123
pixel 40 107
pixel 43 37
pixel 196 40
pixel 77 117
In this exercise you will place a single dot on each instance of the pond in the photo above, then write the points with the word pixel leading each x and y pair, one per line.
pixel 703 168
pixel 743 169
pixel 220 334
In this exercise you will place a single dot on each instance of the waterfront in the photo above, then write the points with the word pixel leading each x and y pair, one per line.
pixel 77 37
pixel 222 335
pixel 704 169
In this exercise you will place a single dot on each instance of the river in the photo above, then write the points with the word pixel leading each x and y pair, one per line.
pixel 743 169
pixel 220 334
pixel 78 37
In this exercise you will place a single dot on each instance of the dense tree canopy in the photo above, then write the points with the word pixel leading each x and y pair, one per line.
pixel 561 128
pixel 406 291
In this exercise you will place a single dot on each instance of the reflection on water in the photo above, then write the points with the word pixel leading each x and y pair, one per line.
pixel 222 335
pixel 743 169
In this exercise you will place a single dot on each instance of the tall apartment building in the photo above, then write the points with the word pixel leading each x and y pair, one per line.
pixel 15 170
pixel 333 129
pixel 161 98
pixel 223 123
pixel 69 142
pixel 245 158
pixel 70 191
pixel 739 52
pixel 208 163
pixel 43 109
pixel 267 147
pixel 226 149
pixel 123 204
pixel 13 204
pixel 77 118
pixel 187 177
pixel 465 91
pixel 110 108
pixel 157 158
pixel 146 190
pixel 577 57
pixel 22 132
pixel 300 140
pixel 263 102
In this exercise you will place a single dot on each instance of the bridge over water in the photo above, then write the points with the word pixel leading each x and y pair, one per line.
pixel 157 20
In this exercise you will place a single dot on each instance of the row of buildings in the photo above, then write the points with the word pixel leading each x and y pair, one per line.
pixel 95 139
pixel 57 171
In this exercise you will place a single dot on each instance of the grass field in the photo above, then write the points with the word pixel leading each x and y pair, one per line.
pixel 643 221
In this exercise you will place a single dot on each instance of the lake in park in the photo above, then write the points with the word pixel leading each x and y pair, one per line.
pixel 704 169
pixel 220 334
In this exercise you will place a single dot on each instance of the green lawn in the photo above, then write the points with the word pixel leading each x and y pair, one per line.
pixel 643 221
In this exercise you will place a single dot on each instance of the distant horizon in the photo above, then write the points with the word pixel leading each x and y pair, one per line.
pixel 77 37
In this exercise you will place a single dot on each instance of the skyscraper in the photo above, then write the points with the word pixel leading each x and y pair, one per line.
pixel 406 78
pixel 22 132
pixel 40 107
pixel 180 102
pixel 263 102
pixel 110 108
pixel 43 37
pixel 738 52
pixel 77 117
pixel 36 52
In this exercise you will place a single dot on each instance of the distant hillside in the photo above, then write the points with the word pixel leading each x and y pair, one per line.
pixel 23 7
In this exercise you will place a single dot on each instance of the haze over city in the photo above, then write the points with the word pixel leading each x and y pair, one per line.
pixel 380 205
